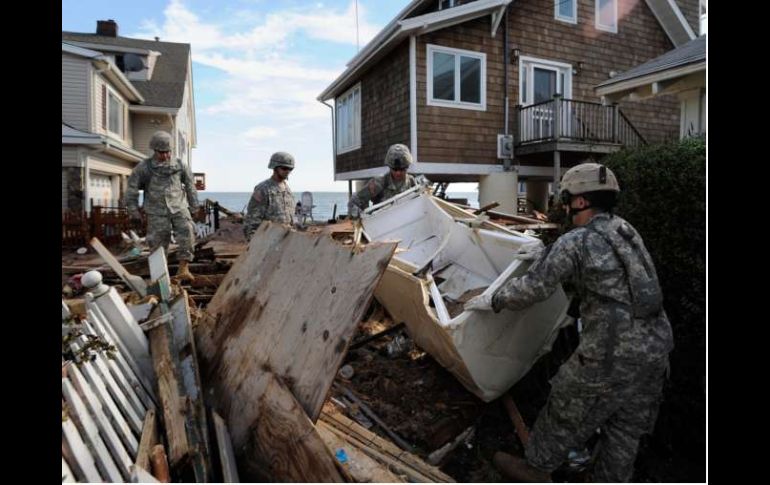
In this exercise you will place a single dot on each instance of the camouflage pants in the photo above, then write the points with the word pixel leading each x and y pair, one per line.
pixel 159 229
pixel 583 398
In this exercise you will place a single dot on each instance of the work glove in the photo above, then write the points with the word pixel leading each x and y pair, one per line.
pixel 481 302
pixel 529 251
pixel 355 211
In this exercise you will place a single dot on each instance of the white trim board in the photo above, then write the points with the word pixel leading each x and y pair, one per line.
pixel 447 168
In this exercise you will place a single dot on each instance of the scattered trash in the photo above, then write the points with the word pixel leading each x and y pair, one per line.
pixel 346 371
pixel 82 250
pixel 341 456
pixel 398 346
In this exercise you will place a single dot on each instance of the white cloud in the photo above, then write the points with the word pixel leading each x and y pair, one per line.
pixel 271 73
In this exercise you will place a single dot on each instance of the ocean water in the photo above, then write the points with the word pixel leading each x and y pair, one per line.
pixel 323 201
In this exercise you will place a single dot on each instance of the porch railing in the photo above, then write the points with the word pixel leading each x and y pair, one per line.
pixel 571 120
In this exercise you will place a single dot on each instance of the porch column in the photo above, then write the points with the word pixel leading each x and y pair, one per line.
pixel 502 188
pixel 537 194
pixel 556 171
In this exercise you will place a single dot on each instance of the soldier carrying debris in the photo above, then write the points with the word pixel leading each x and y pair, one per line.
pixel 614 379
pixel 385 186
pixel 169 192
pixel 272 198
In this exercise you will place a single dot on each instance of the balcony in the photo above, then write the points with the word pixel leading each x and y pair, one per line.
pixel 568 125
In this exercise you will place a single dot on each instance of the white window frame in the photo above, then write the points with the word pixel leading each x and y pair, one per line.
pixel 703 19
pixel 482 106
pixel 608 28
pixel 527 72
pixel 122 117
pixel 561 18
pixel 356 120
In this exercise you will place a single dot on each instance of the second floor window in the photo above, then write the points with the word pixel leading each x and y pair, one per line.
pixel 607 15
pixel 456 78
pixel 566 10
pixel 115 114
pixel 348 108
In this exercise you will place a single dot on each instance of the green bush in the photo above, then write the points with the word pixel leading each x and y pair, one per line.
pixel 663 195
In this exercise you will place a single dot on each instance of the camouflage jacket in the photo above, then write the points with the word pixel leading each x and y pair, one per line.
pixel 168 187
pixel 379 189
pixel 616 282
pixel 271 201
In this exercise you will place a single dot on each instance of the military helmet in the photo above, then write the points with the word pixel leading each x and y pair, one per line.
pixel 281 159
pixel 161 141
pixel 588 177
pixel 398 157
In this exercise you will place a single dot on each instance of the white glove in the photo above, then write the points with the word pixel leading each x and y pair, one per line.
pixel 529 251
pixel 481 302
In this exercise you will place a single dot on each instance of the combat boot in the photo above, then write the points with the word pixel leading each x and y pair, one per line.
pixel 517 468
pixel 184 271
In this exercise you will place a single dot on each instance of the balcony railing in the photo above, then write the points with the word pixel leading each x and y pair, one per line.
pixel 561 119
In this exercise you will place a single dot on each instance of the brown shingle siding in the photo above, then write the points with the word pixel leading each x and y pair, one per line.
pixel 384 111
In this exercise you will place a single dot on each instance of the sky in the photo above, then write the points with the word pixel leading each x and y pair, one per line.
pixel 258 66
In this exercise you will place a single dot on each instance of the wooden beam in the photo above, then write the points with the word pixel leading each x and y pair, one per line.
pixel 516 419
pixel 134 282
pixel 148 439
pixel 171 401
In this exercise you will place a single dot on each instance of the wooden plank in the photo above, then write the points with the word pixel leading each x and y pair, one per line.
pixel 355 431
pixel 96 316
pixel 114 444
pixel 141 475
pixel 120 379
pixel 362 467
pixel 226 454
pixel 114 389
pixel 66 474
pixel 148 439
pixel 134 282
pixel 110 409
pixel 172 402
pixel 289 306
pixel 516 419
pixel 282 445
pixel 98 367
pixel 82 419
pixel 125 367
pixel 159 464
pixel 82 460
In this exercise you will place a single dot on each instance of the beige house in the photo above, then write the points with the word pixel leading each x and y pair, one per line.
pixel 116 92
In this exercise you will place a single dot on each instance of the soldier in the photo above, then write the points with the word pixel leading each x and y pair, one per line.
pixel 272 199
pixel 169 192
pixel 614 379
pixel 386 186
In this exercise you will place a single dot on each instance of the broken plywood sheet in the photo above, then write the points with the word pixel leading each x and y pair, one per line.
pixel 288 307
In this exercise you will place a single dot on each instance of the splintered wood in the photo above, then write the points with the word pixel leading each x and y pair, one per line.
pixel 273 338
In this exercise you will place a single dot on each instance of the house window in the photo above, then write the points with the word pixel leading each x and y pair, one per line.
pixel 115 113
pixel 445 4
pixel 607 15
pixel 566 10
pixel 456 78
pixel 349 120
pixel 181 146
pixel 703 18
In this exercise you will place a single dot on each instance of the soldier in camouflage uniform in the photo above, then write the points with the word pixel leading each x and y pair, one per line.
pixel 386 186
pixel 614 379
pixel 272 199
pixel 169 192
